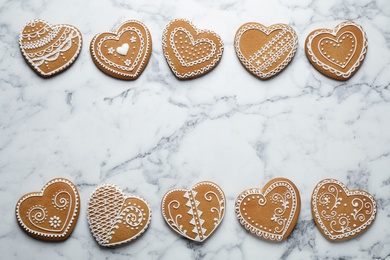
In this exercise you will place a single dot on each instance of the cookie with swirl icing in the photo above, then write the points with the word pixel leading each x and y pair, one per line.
pixel 50 214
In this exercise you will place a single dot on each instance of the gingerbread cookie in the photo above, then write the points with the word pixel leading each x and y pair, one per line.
pixel 52 213
pixel 49 49
pixel 340 213
pixel 116 218
pixel 270 212
pixel 265 51
pixel 194 213
pixel 337 53
pixel 123 53
pixel 190 52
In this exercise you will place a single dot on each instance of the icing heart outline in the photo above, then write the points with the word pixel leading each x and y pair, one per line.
pixel 291 46
pixel 57 47
pixel 126 71
pixel 371 210
pixel 129 212
pixel 188 71
pixel 203 194
pixel 248 218
pixel 333 32
pixel 40 214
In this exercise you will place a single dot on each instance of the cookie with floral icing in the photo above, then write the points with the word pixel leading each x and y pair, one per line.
pixel 49 48
pixel 116 218
pixel 265 51
pixel 337 53
pixel 123 53
pixel 195 213
pixel 190 52
pixel 271 212
pixel 341 213
pixel 52 213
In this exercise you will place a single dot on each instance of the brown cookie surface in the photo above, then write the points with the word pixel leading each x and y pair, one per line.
pixel 116 218
pixel 195 213
pixel 271 212
pixel 337 53
pixel 123 53
pixel 49 48
pixel 265 51
pixel 52 213
pixel 190 52
pixel 340 213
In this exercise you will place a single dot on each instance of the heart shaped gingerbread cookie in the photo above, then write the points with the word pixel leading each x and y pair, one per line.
pixel 190 52
pixel 194 213
pixel 49 49
pixel 123 53
pixel 265 51
pixel 337 53
pixel 52 213
pixel 115 218
pixel 270 212
pixel 340 213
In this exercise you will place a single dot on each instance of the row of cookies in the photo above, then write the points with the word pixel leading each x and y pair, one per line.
pixel 270 212
pixel 191 52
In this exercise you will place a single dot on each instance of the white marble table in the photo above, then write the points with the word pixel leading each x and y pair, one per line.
pixel 157 132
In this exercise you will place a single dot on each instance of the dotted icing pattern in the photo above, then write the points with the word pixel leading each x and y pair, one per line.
pixel 348 228
pixel 211 59
pixel 262 230
pixel 331 69
pixel 286 41
pixel 128 69
pixel 70 37
pixel 40 218
pixel 107 209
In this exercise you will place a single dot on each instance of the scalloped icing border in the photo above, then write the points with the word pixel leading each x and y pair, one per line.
pixel 63 67
pixel 334 32
pixel 267 30
pixel 144 59
pixel 261 233
pixel 198 72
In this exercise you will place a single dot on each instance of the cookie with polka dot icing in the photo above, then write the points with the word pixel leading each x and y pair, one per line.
pixel 195 213
pixel 341 213
pixel 265 50
pixel 123 53
pixel 337 53
pixel 49 48
pixel 190 52
pixel 115 217
pixel 52 213
pixel 270 212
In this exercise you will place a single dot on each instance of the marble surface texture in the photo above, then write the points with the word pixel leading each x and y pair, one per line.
pixel 157 133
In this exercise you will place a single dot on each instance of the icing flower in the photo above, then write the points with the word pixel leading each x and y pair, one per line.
pixel 55 222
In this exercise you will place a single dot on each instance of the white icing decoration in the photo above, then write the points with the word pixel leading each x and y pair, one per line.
pixel 197 72
pixel 333 70
pixel 284 42
pixel 39 217
pixel 192 204
pixel 138 64
pixel 54 49
pixel 122 50
pixel 107 209
pixel 340 223
pixel 289 199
